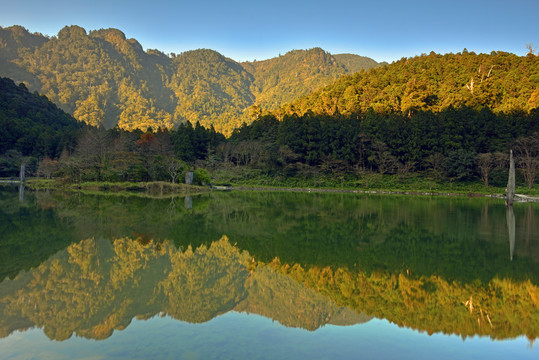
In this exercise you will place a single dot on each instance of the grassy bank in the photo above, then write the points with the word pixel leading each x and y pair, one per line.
pixel 255 179
pixel 154 188
pixel 364 182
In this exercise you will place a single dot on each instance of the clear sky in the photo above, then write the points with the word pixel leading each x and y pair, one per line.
pixel 385 30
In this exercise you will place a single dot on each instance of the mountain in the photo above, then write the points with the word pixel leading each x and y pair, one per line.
pixel 501 81
pixel 103 78
pixel 297 73
pixel 15 40
pixel 31 125
pixel 210 88
pixel 355 63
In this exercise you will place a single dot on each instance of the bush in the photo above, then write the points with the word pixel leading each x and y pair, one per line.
pixel 201 177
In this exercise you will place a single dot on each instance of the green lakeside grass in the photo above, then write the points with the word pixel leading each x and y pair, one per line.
pixel 152 189
pixel 256 179
pixel 367 182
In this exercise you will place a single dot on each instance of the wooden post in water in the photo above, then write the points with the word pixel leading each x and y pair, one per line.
pixel 22 177
pixel 510 191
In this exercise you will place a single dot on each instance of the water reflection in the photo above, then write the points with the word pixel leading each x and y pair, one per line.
pixel 188 202
pixel 21 191
pixel 304 260
pixel 96 286
pixel 511 229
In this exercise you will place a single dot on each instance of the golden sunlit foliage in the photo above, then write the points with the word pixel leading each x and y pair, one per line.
pixel 501 309
pixel 501 81
pixel 103 78
pixel 96 286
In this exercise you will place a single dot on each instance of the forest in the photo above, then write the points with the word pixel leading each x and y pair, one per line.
pixel 146 116
pixel 104 79
pixel 500 81
pixel 452 145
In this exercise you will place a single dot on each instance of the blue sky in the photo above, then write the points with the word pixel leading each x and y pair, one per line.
pixel 385 30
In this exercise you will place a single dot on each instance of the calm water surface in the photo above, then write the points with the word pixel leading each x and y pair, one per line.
pixel 267 276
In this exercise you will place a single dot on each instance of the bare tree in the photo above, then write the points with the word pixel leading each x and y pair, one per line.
pixel 384 160
pixel 122 155
pixel 333 166
pixel 70 167
pixel 531 49
pixel 47 167
pixel 436 163
pixel 154 149
pixel 485 163
pixel 406 168
pixel 175 168
pixel 286 156
pixel 250 152
pixel 470 86
pixel 92 150
pixel 527 157
pixel 224 150
pixel 501 160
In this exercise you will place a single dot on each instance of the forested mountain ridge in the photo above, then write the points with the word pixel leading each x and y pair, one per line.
pixel 501 81
pixel 298 73
pixel 210 88
pixel 31 125
pixel 354 63
pixel 103 78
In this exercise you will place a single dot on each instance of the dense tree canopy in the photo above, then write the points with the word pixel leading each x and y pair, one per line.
pixel 453 116
pixel 387 142
pixel 32 125
pixel 499 81
pixel 105 79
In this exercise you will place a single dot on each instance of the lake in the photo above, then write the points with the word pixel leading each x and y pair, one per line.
pixel 267 275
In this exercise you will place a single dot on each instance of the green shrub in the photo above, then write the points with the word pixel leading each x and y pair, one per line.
pixel 201 177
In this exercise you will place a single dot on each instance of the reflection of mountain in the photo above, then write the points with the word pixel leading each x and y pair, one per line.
pixel 459 239
pixel 281 298
pixel 96 286
pixel 501 309
pixel 413 261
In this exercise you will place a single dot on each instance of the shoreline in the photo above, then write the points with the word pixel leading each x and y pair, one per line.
pixel 165 189
pixel 518 197
pixel 148 189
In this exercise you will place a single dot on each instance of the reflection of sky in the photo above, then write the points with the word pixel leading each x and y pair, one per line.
pixel 241 336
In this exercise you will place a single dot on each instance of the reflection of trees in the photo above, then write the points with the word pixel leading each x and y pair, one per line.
pixel 309 229
pixel 501 309
pixel 459 239
pixel 281 298
pixel 96 286
pixel 204 283
pixel 25 230
pixel 349 249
